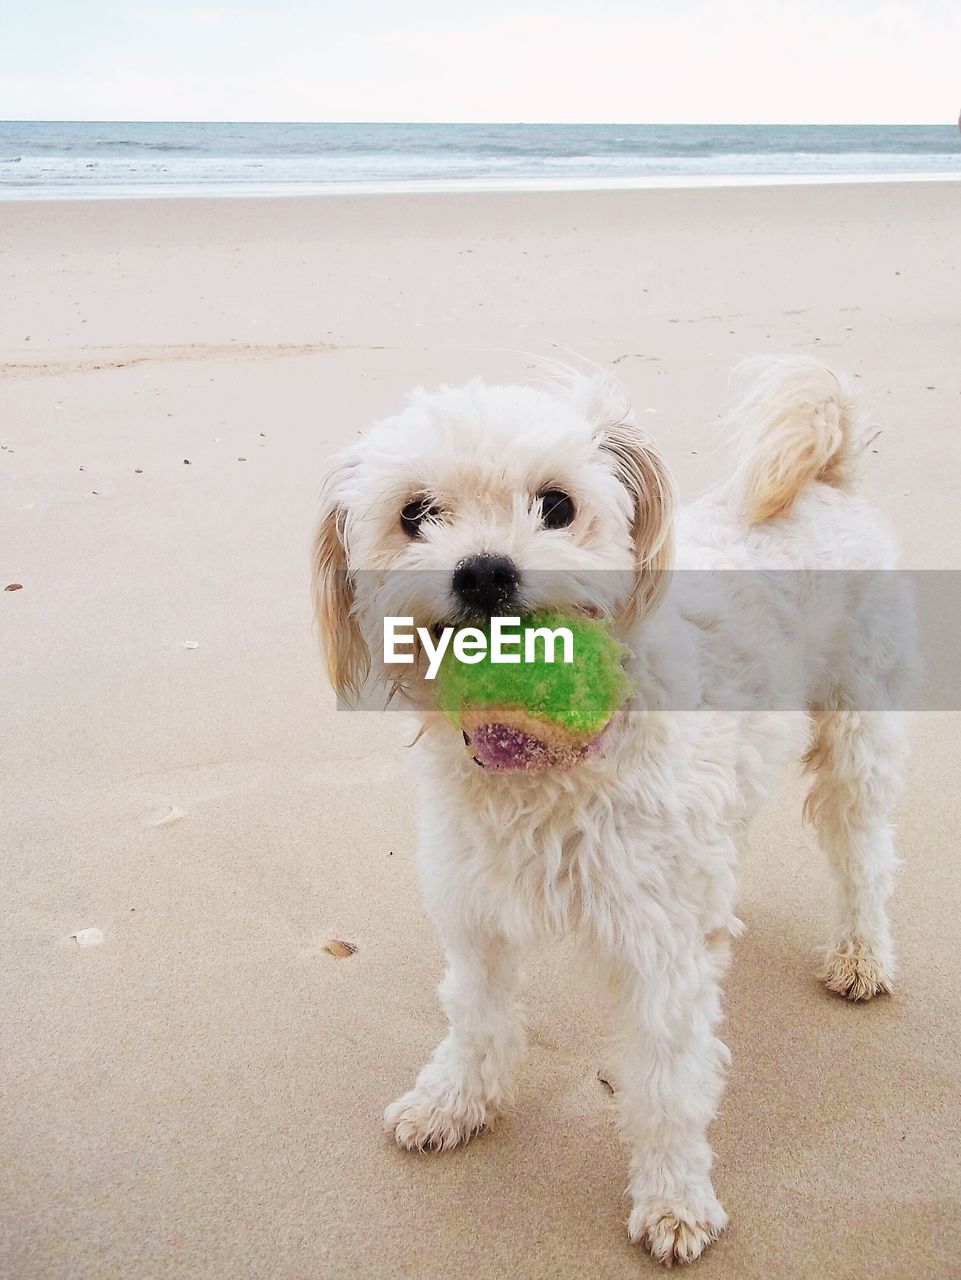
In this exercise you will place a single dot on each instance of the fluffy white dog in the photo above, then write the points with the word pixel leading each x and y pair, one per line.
pixel 505 500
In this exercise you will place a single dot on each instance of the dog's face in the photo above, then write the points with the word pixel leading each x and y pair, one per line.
pixel 480 501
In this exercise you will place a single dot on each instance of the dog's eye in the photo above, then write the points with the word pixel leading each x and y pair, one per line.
pixel 557 509
pixel 415 513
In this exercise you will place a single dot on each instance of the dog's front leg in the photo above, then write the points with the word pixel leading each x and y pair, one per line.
pixel 470 1076
pixel 668 1084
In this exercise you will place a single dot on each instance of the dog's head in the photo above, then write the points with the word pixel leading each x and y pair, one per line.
pixel 478 501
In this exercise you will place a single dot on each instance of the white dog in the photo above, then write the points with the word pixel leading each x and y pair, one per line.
pixel 512 499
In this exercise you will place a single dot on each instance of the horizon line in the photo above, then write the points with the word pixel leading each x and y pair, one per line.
pixel 690 124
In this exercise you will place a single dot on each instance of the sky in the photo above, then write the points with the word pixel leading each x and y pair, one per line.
pixel 717 61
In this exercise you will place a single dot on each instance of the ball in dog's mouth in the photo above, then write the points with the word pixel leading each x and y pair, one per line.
pixel 548 710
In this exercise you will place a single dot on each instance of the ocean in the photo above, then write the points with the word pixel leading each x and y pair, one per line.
pixel 89 159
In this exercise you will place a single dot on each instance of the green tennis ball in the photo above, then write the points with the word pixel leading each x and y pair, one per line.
pixel 536 715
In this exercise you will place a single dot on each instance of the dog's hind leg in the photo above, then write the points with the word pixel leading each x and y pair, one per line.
pixel 855 765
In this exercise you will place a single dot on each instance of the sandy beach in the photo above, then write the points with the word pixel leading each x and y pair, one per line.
pixel 199 1095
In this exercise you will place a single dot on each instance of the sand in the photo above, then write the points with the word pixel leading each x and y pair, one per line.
pixel 199 1094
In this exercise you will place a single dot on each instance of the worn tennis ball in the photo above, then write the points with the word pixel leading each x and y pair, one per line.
pixel 536 715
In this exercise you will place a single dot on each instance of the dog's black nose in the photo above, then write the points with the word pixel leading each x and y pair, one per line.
pixel 486 584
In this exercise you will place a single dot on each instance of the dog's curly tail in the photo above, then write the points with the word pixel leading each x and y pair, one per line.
pixel 796 424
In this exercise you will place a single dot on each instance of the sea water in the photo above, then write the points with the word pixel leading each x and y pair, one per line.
pixel 58 159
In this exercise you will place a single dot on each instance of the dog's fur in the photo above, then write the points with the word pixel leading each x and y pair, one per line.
pixel 634 849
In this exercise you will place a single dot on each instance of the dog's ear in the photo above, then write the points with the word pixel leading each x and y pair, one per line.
pixel 346 655
pixel 641 470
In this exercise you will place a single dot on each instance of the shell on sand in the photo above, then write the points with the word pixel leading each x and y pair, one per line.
pixel 340 949
pixel 83 938
pixel 170 813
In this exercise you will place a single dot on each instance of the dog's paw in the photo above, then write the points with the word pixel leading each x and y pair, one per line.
pixel 854 972
pixel 676 1231
pixel 424 1121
